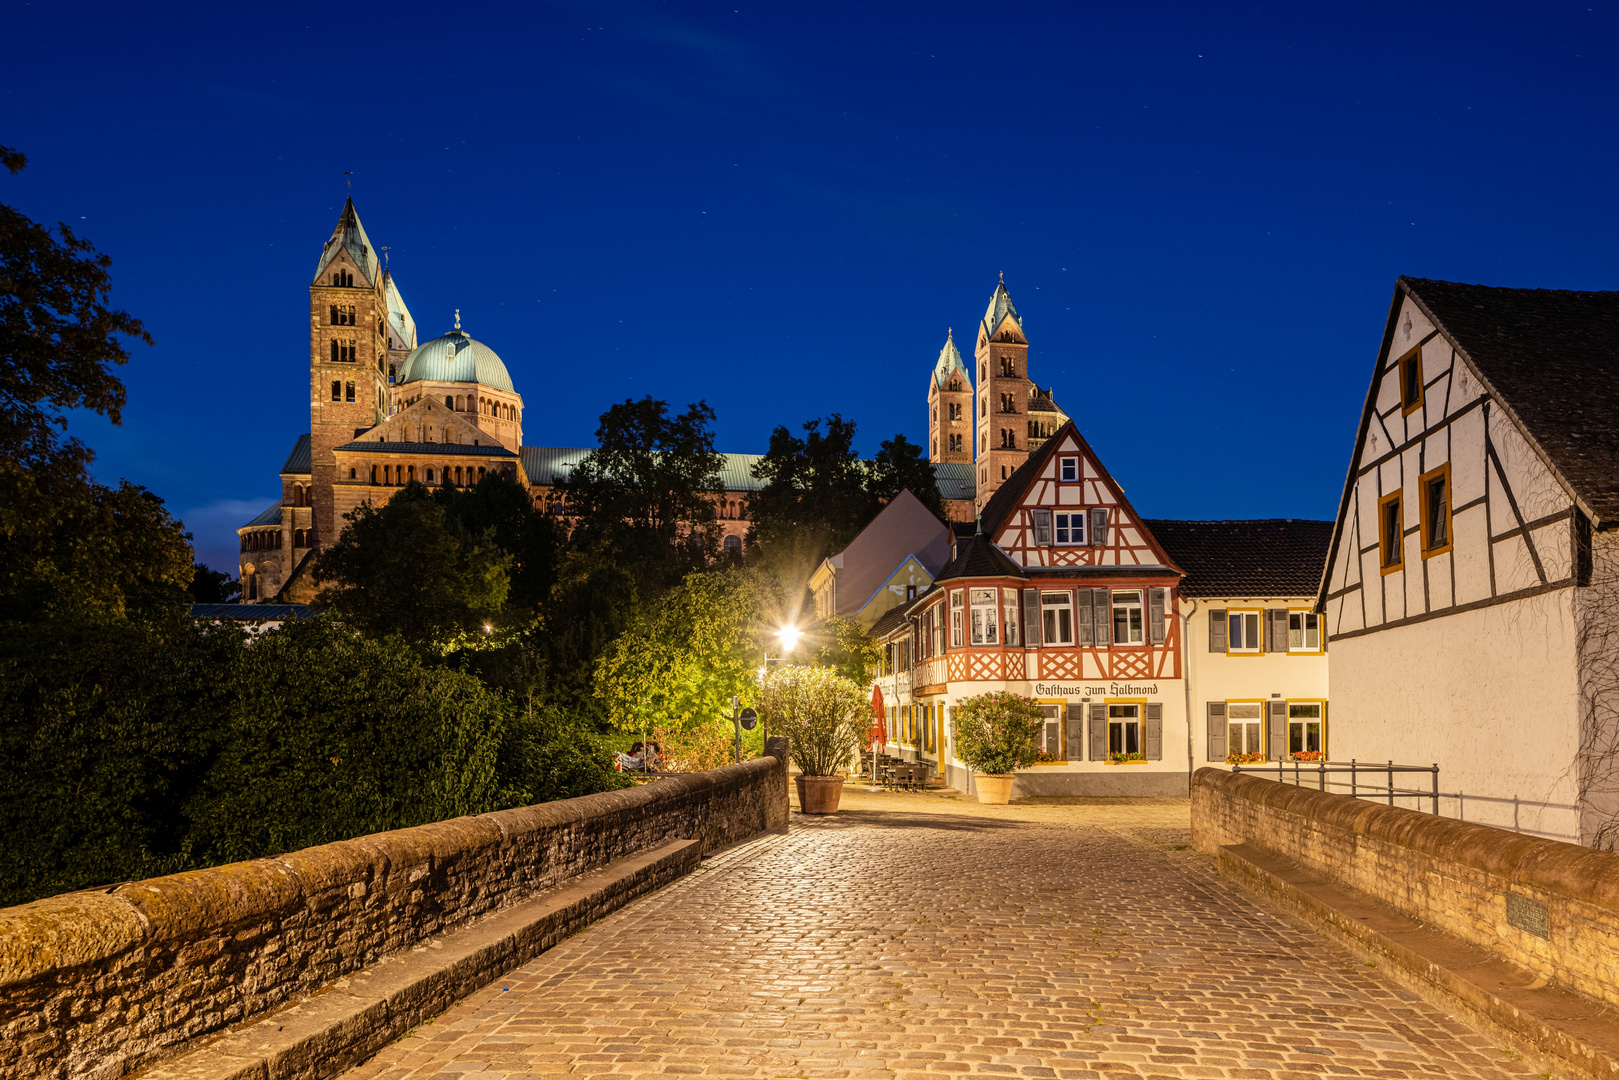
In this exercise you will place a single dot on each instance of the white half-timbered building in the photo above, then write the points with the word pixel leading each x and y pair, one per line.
pixel 1470 595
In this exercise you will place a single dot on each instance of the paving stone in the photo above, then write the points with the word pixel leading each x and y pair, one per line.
pixel 924 937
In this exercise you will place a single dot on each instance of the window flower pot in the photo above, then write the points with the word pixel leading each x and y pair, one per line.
pixel 994 789
pixel 819 794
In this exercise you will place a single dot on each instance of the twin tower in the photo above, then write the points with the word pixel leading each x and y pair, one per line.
pixel 1012 417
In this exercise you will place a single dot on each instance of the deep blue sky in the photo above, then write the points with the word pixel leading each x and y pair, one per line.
pixel 1200 210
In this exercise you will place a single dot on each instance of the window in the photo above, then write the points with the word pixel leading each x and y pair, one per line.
pixel 1008 440
pixel 337 391
pixel 1391 532
pixel 1009 600
pixel 342 314
pixel 1242 632
pixel 348 391
pixel 955 410
pixel 955 618
pixel 1124 731
pixel 1244 728
pixel 1057 618
pixel 1303 631
pixel 1008 367
pixel 1041 520
pixel 1304 731
pixel 449 402
pixel 1069 468
pixel 955 443
pixel 1435 489
pixel 353 473
pixel 1071 528
pixel 1128 627
pixel 1411 381
pixel 1008 403
pixel 983 616
pixel 1051 732
pixel 429 474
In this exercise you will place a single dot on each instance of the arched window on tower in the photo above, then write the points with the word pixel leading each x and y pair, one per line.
pixel 429 473
pixel 337 390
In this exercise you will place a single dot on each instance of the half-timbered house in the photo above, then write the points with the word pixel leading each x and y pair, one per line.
pixel 1470 595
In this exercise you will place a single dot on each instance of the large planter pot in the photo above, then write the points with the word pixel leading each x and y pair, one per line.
pixel 819 794
pixel 994 788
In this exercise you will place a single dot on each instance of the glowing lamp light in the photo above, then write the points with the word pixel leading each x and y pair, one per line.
pixel 789 637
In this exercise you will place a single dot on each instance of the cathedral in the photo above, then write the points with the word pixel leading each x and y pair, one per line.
pixel 386 409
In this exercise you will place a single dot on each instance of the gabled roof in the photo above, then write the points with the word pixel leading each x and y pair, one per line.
pixel 298 460
pixel 902 530
pixel 950 363
pixel 1000 309
pixel 1044 401
pixel 270 515
pixel 1273 557
pixel 400 324
pixel 349 235
pixel 1551 358
pixel 977 557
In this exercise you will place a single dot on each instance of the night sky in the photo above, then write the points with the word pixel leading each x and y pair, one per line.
pixel 779 208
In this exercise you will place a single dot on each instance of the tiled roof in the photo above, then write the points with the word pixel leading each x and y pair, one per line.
pixel 434 449
pixel 1005 500
pixel 1044 401
pixel 1552 357
pixel 977 557
pixel 251 612
pixel 1107 570
pixel 1273 557
pixel 892 619
pixel 298 460
pixel 270 515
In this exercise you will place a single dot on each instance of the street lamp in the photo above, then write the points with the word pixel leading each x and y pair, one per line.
pixel 789 636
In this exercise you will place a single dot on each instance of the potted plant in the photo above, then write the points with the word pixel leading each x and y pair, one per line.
pixel 995 734
pixel 823 716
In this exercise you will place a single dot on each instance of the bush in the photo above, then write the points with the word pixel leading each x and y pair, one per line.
pixel 997 732
pixel 822 714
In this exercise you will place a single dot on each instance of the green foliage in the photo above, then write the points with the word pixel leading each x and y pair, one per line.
pixel 817 493
pixel 548 755
pixel 997 732
pixel 822 714
pixel 501 513
pixel 589 610
pixel 406 569
pixel 644 498
pixel 842 645
pixel 680 664
pixel 212 587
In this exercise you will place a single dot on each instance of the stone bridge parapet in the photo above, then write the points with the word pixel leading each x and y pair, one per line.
pixel 97 983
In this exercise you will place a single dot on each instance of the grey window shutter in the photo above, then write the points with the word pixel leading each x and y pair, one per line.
pixel 1031 617
pixel 1217 629
pixel 1075 743
pixel 1217 731
pixel 1278 730
pixel 1084 633
pixel 1042 526
pixel 1276 618
pixel 1099 526
pixel 1098 732
pixel 1102 605
pixel 1155 731
pixel 1155 615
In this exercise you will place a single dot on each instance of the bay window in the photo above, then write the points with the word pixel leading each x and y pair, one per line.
pixel 955 618
pixel 983 606
pixel 1009 598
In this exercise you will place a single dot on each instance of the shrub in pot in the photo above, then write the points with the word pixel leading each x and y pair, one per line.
pixel 995 734
pixel 823 716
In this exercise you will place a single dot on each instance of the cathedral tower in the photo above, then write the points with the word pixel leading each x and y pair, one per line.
pixel 950 407
pixel 1002 355
pixel 348 357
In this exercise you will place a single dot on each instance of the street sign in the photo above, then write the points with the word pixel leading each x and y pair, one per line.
pixel 750 719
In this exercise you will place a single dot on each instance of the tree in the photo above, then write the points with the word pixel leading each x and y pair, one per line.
pixel 59 341
pixel 900 466
pixel 502 510
pixel 403 569
pixel 822 714
pixel 212 587
pixel 842 645
pixel 694 649
pixel 816 494
pixel 646 494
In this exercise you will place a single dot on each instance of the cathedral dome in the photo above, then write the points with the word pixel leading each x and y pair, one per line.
pixel 456 357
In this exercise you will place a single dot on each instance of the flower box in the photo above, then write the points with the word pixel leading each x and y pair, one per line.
pixel 1127 759
pixel 1244 759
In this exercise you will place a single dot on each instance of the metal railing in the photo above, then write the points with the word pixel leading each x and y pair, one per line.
pixel 1371 780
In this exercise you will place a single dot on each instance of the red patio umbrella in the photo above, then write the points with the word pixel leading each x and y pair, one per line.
pixel 879 727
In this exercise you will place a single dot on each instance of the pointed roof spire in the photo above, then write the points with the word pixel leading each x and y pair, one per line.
pixel 950 361
pixel 350 235
pixel 1000 309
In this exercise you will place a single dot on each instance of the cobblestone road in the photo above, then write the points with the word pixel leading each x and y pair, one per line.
pixel 914 935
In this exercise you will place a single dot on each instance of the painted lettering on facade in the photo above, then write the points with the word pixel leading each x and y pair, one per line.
pixel 1112 689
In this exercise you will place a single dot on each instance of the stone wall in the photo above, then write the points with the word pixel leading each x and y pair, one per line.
pixel 99 982
pixel 1550 907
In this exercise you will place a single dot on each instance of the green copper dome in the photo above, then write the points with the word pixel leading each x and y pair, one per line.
pixel 456 357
